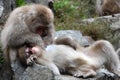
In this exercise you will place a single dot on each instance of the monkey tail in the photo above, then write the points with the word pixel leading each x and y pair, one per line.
pixel 7 73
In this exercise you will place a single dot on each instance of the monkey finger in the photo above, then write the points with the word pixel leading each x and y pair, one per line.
pixel 31 60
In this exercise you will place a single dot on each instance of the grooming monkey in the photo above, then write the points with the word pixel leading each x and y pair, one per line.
pixel 26 25
pixel 79 62
pixel 107 7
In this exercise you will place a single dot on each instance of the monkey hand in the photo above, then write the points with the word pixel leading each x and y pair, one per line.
pixel 31 60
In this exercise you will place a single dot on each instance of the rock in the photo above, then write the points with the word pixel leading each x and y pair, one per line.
pixel 1 8
pixel 18 70
pixel 5 8
pixel 75 34
pixel 115 26
pixel 112 21
pixel 89 39
pixel 37 72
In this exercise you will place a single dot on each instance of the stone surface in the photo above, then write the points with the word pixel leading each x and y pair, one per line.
pixel 74 34
pixel 5 8
pixel 114 24
pixel 37 72
pixel 1 8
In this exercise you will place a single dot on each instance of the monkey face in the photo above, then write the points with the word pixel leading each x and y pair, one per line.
pixel 29 55
pixel 40 19
pixel 33 54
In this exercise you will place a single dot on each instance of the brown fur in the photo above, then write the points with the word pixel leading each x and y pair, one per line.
pixel 66 41
pixel 108 7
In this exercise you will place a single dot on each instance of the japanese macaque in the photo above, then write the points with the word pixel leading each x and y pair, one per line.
pixel 107 7
pixel 30 24
pixel 80 62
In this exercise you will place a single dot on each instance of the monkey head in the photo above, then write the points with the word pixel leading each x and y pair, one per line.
pixel 33 54
pixel 41 22
pixel 30 53
pixel 37 19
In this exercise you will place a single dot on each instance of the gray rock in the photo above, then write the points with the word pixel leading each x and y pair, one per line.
pixel 5 8
pixel 114 24
pixel 74 34
pixel 37 72
pixel 1 8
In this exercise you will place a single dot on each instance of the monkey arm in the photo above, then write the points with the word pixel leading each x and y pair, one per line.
pixel 50 65
pixel 32 38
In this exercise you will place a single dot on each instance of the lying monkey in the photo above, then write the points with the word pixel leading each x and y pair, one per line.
pixel 83 62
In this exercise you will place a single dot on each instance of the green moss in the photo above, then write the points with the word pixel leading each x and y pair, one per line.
pixel 20 2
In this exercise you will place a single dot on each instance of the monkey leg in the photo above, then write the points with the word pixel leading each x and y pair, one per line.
pixel 6 72
pixel 79 67
pixel 103 53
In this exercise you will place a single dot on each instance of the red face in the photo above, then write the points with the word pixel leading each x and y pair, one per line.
pixel 36 50
pixel 42 31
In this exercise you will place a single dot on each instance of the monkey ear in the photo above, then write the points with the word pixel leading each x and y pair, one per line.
pixel 51 6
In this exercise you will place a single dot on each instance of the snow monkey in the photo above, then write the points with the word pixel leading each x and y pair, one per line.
pixel 79 62
pixel 29 24
pixel 107 7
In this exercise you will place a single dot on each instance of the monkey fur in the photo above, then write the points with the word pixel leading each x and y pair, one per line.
pixel 107 7
pixel 29 24
pixel 83 62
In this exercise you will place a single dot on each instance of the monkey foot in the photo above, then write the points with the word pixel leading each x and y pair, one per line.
pixel 85 74
pixel 77 73
pixel 90 73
